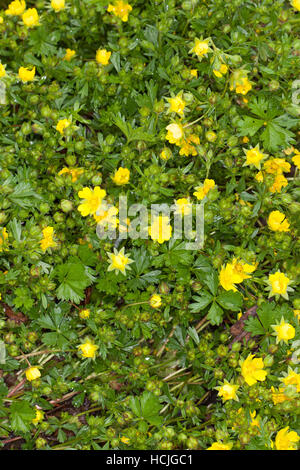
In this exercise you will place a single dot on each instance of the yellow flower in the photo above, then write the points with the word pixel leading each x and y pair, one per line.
pixel 254 419
pixel 62 125
pixel 219 446
pixel 160 229
pixel 296 159
pixel 119 261
pixel 221 71
pixel 279 183
pixel 177 104
pixel 125 440
pixel 102 56
pixel 175 133
pixel 1 19
pixel 2 71
pixel 244 86
pixel 84 313
pixel 286 440
pixel 47 241
pixel 228 391
pixel 26 75
pixel 165 154
pixel 30 17
pixel 297 314
pixel 58 5
pixel 186 146
pixel 277 166
pixel 92 200
pixel 155 301
pixel 120 9
pixel 284 331
pixel 277 222
pixel 201 47
pixel 278 396
pixel 279 283
pixel 183 206
pixel 296 4
pixel 252 370
pixel 194 73
pixel 74 172
pixel 202 191
pixel 217 73
pixel 32 373
pixel 254 156
pixel 245 140
pixel 16 8
pixel 88 349
pixel 292 379
pixel 259 177
pixel 69 54
pixel 235 273
pixel 39 415
pixel 3 237
pixel 121 176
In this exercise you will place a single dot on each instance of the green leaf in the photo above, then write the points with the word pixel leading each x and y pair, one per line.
pixel 215 314
pixel 249 125
pixel 74 279
pixel 21 414
pixel 230 300
pixel 201 302
pixel 212 282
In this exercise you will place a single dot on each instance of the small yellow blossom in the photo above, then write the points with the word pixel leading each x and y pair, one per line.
pixel 92 200
pixel 119 261
pixel 245 139
pixel 201 47
pixel 121 176
pixel 175 133
pixel 227 391
pixel 2 71
pixel 219 446
pixel 58 5
pixel 74 172
pixel 296 158
pixel 187 145
pixel 3 237
pixel 276 166
pixel 194 73
pixel 259 177
pixel 296 4
pixel 297 314
pixel 69 54
pixel 177 104
pixel 252 370
pixel 222 70
pixel 244 87
pixel 284 331
pixel 103 56
pixel 183 206
pixel 15 8
pixel 30 18
pixel 165 154
pixel 39 415
pixel 279 283
pixel 292 378
pixel 279 183
pixel 155 301
pixel 160 229
pixel 84 313
pixel 254 156
pixel 278 396
pixel 277 222
pixel 32 373
pixel 235 273
pixel 62 125
pixel 47 241
pixel 120 9
pixel 125 440
pixel 202 191
pixel 254 419
pixel 286 440
pixel 88 349
pixel 26 75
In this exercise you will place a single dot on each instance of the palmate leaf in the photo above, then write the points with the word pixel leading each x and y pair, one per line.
pixel 74 279
pixel 21 414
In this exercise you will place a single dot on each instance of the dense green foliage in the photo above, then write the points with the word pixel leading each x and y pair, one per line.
pixel 157 371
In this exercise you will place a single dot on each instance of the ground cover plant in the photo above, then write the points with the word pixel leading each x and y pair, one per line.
pixel 141 343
